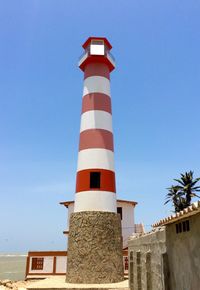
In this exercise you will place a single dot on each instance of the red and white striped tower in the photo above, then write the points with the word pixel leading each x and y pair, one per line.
pixel 95 199
pixel 96 156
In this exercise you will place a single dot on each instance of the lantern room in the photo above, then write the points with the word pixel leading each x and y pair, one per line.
pixel 97 49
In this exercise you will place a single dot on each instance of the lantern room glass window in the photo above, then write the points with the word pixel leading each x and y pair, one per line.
pixel 97 41
pixel 97 47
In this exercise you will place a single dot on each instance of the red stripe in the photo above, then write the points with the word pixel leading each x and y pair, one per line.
pixel 96 138
pixel 107 180
pixel 97 69
pixel 96 101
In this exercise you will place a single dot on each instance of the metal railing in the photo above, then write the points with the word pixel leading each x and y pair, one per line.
pixel 82 55
pixel 107 53
pixel 110 54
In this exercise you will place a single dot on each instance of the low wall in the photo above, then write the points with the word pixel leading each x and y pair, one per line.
pixel 167 258
pixel 55 263
pixel 148 268
pixel 46 263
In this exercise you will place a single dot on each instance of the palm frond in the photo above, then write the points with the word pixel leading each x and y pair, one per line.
pixel 181 194
pixel 179 181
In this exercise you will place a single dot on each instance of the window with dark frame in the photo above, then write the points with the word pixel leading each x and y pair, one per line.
pixel 187 225
pixel 119 211
pixel 37 264
pixel 126 263
pixel 95 179
pixel 180 227
pixel 183 227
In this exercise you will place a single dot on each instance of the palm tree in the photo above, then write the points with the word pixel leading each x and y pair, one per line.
pixel 182 193
pixel 176 197
pixel 187 186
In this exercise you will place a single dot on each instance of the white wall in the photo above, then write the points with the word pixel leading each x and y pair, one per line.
pixel 128 225
pixel 70 210
pixel 61 264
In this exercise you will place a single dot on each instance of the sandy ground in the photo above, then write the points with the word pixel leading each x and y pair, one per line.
pixel 14 285
pixel 57 282
pixel 60 283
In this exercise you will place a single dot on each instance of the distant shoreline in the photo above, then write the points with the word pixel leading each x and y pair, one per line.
pixel 13 255
pixel 12 266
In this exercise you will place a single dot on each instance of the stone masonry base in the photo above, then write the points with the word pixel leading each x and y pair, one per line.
pixel 94 248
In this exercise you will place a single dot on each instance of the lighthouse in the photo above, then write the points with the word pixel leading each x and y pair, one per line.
pixel 95 243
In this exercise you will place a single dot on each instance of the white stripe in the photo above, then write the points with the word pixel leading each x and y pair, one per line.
pixel 95 158
pixel 96 84
pixel 96 119
pixel 95 201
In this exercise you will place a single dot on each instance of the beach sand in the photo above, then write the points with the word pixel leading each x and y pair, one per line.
pixel 14 285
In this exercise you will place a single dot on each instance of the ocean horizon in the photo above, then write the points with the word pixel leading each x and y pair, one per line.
pixel 12 266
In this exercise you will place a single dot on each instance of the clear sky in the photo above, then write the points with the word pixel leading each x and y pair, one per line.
pixel 155 98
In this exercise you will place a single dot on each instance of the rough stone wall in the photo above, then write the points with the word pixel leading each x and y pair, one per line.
pixel 184 255
pixel 147 263
pixel 94 248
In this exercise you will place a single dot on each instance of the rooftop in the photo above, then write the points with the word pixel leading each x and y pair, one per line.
pixel 85 44
pixel 67 203
pixel 187 212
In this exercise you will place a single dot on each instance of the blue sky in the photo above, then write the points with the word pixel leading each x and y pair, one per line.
pixel 155 98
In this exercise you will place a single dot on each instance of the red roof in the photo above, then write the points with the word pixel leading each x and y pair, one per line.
pixel 193 209
pixel 85 44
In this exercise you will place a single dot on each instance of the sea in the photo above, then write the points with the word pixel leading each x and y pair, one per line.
pixel 12 266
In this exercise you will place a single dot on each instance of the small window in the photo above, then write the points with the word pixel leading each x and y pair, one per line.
pixel 125 263
pixel 98 42
pixel 180 227
pixel 119 211
pixel 95 179
pixel 37 263
pixel 187 225
pixel 184 226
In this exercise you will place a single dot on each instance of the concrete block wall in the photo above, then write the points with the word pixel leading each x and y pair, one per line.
pixel 147 261
pixel 184 255
pixel 167 258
